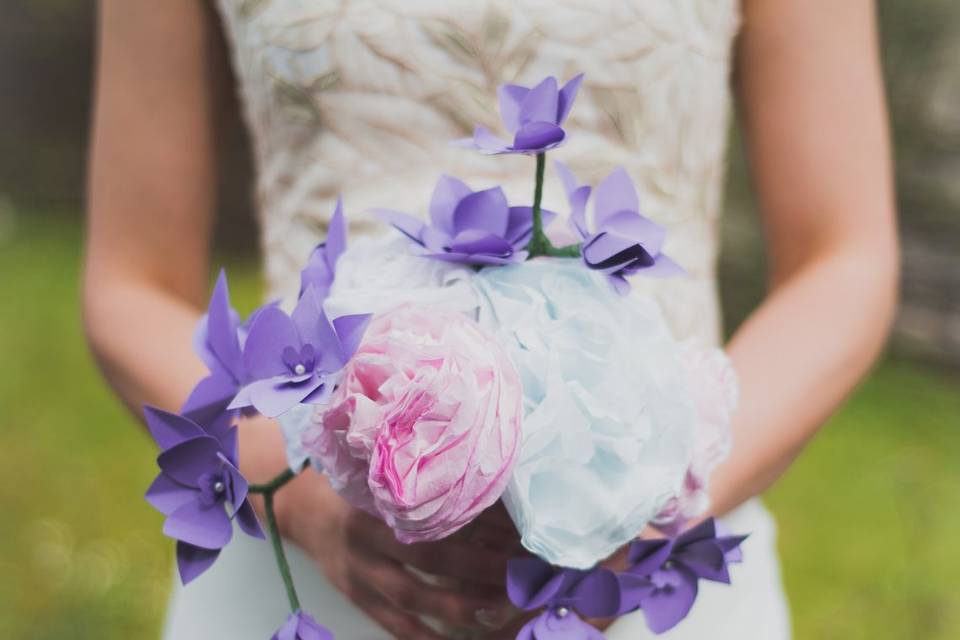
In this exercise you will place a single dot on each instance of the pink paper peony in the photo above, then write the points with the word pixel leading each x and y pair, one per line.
pixel 425 425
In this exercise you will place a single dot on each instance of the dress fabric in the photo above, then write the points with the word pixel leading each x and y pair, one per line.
pixel 363 97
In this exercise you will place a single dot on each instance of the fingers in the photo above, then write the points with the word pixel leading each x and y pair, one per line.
pixel 397 623
pixel 409 593
pixel 452 557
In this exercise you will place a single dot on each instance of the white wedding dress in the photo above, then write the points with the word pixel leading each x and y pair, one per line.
pixel 362 98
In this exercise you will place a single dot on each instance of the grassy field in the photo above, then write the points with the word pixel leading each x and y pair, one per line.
pixel 869 515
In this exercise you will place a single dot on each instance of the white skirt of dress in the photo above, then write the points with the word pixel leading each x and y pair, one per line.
pixel 242 598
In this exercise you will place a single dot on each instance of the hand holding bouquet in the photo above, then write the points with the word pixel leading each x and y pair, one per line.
pixel 467 360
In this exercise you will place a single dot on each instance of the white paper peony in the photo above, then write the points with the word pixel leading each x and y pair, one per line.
pixel 610 421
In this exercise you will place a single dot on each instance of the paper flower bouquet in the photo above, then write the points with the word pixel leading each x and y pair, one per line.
pixel 465 360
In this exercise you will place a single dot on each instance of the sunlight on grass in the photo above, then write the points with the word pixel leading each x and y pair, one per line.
pixel 868 516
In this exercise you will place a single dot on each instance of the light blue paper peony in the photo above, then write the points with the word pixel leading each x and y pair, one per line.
pixel 609 426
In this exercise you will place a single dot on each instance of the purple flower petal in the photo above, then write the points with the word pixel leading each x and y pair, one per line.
pixel 447 195
pixel 665 608
pixel 540 103
pixel 336 242
pixel 609 251
pixel 210 397
pixel 646 556
pixel 485 210
pixel 166 495
pixel 631 224
pixel 169 429
pixel 246 517
pixel 192 561
pixel 206 527
pixel 275 396
pixel 511 97
pixel 538 136
pixel 187 461
pixel 475 241
pixel 350 330
pixel 597 594
pixel 270 333
pixel 403 222
pixel 567 95
pixel 532 583
pixel 520 225
pixel 315 329
pixel 488 143
pixel 614 194
pixel 222 323
pixel 479 259
pixel 664 267
pixel 301 626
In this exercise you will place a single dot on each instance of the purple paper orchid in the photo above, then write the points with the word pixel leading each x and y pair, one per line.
pixel 295 358
pixel 663 576
pixel 534 116
pixel 321 266
pixel 217 342
pixel 301 626
pixel 199 489
pixel 563 594
pixel 469 227
pixel 622 242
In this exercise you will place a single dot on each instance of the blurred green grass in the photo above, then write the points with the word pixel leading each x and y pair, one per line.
pixel 868 515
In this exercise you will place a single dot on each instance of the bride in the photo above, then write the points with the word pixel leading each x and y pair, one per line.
pixel 362 98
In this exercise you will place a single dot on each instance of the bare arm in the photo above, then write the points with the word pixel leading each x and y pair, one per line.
pixel 161 87
pixel 812 105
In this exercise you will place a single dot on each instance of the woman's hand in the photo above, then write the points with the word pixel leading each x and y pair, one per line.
pixel 361 557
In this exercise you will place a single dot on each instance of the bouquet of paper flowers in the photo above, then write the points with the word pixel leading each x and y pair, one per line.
pixel 466 360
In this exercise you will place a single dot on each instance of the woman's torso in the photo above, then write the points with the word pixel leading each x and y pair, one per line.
pixel 362 98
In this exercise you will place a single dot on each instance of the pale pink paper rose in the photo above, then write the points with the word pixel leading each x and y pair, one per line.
pixel 425 425
pixel 713 383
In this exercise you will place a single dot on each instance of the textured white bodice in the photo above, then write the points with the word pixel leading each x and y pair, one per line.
pixel 362 98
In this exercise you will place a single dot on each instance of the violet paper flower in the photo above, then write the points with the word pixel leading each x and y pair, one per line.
pixel 534 116
pixel 623 242
pixel 301 626
pixel 663 576
pixel 199 489
pixel 296 358
pixel 563 593
pixel 469 227
pixel 321 266
pixel 217 342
